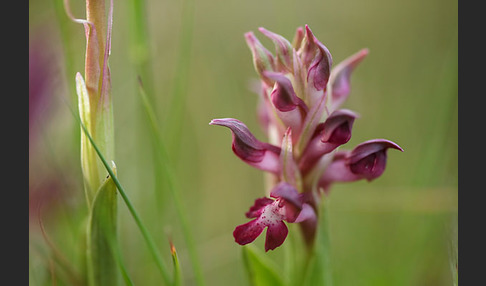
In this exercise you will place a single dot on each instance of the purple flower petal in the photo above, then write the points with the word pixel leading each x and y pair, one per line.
pixel 316 61
pixel 283 95
pixel 248 232
pixel 320 68
pixel 290 108
pixel 335 131
pixel 337 171
pixel 276 234
pixel 261 155
pixel 337 127
pixel 368 159
pixel 340 80
pixel 283 48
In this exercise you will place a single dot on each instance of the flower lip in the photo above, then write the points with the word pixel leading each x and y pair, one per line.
pixel 271 214
pixel 257 208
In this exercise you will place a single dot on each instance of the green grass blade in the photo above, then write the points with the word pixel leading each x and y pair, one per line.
pixel 147 237
pixel 169 174
pixel 179 92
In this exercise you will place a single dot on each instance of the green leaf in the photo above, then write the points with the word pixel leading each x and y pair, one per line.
pixel 146 235
pixel 261 270
pixel 318 270
pixel 101 247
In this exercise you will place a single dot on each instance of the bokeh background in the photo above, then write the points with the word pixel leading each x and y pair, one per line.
pixel 400 229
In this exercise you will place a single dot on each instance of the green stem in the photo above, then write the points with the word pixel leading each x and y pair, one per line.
pixel 317 269
pixel 148 239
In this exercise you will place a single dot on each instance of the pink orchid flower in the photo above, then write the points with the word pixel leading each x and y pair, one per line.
pixel 300 97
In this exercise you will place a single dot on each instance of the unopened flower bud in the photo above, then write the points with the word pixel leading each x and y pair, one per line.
pixel 263 60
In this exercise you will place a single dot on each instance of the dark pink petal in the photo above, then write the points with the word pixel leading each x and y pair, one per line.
pixel 257 208
pixel 370 167
pixel 337 127
pixel 320 69
pixel 290 108
pixel 283 48
pixel 248 232
pixel 276 234
pixel 261 155
pixel 306 213
pixel 369 147
pixel 283 95
pixel 335 131
pixel 368 159
pixel 263 60
pixel 341 78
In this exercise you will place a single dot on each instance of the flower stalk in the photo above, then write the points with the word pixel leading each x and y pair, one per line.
pixel 96 115
pixel 94 92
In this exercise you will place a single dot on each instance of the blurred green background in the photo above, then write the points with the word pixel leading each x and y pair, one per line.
pixel 401 229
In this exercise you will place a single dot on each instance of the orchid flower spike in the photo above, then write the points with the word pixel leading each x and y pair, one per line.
pixel 299 108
